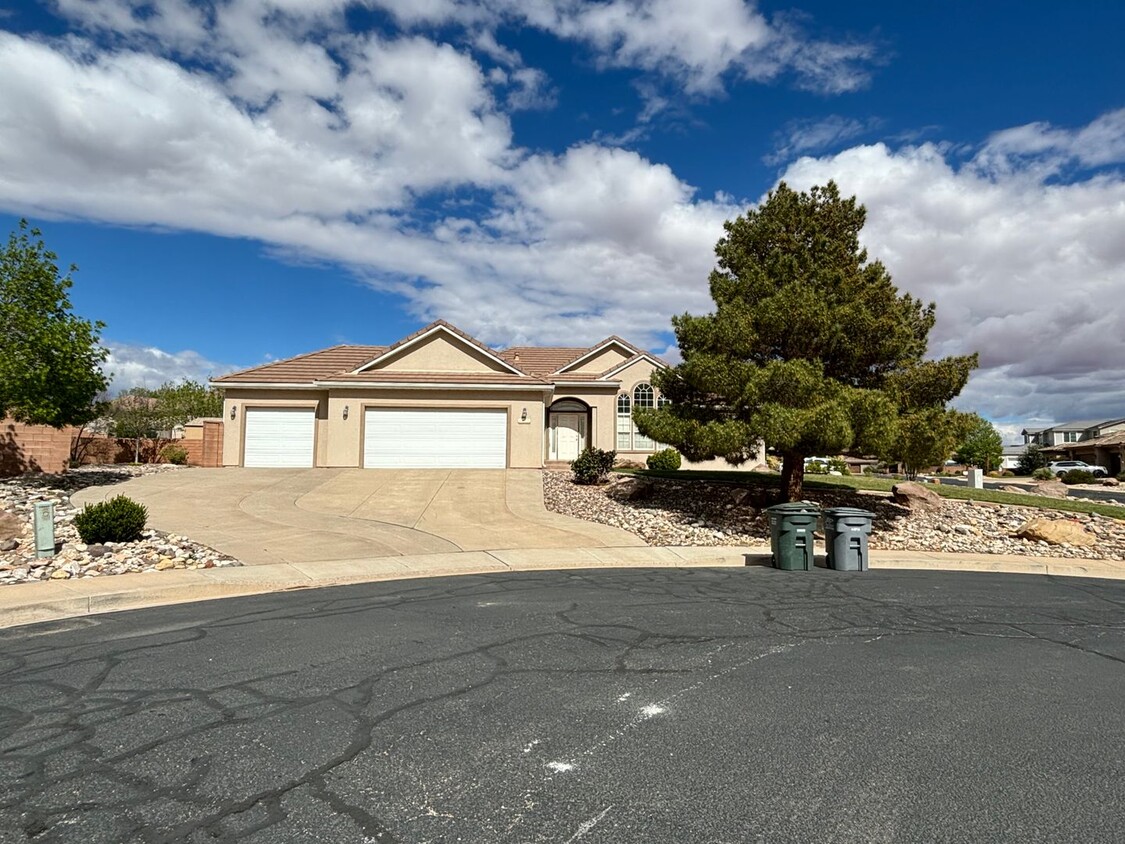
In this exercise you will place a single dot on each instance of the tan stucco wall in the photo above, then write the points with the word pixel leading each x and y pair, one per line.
pixel 344 438
pixel 601 362
pixel 440 353
pixel 242 399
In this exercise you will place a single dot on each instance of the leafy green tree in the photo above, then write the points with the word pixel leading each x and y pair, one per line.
pixel 982 447
pixel 50 359
pixel 179 403
pixel 927 437
pixel 811 348
pixel 135 417
pixel 1032 458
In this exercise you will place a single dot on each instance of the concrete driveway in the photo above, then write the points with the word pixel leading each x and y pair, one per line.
pixel 266 516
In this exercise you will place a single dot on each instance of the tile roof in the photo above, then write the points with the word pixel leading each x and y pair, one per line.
pixel 339 363
pixel 542 360
pixel 382 376
pixel 305 368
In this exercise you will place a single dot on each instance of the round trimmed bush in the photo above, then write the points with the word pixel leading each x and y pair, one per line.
pixel 1078 476
pixel 592 465
pixel 173 453
pixel 1043 474
pixel 667 459
pixel 119 519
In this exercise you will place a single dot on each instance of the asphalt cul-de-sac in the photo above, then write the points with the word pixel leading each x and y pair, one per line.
pixel 702 705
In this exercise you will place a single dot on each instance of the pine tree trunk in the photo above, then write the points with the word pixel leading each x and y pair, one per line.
pixel 793 476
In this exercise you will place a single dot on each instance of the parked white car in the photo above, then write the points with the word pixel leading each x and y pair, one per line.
pixel 1061 467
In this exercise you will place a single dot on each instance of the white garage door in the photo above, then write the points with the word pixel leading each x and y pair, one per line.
pixel 280 437
pixel 396 438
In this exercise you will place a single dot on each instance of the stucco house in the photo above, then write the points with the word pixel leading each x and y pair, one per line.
pixel 439 398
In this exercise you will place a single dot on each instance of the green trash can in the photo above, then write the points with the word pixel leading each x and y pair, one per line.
pixel 791 535
pixel 845 537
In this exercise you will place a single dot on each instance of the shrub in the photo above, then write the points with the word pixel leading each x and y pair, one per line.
pixel 1032 458
pixel 173 453
pixel 773 463
pixel 816 467
pixel 1043 474
pixel 1121 477
pixel 1078 476
pixel 667 459
pixel 119 519
pixel 592 465
pixel 838 464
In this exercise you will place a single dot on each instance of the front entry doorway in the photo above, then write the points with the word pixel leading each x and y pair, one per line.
pixel 566 432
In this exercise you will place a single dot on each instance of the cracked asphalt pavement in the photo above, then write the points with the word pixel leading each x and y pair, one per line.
pixel 701 705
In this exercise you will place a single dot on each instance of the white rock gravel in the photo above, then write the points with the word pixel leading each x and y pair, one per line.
pixel 667 512
pixel 156 551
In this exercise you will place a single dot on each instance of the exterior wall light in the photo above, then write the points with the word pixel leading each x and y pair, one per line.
pixel 233 411
pixel 345 411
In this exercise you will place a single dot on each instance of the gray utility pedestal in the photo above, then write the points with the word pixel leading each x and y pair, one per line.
pixel 845 537
pixel 791 535
pixel 975 478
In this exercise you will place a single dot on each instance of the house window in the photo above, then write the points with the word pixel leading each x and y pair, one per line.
pixel 1071 436
pixel 624 423
pixel 643 396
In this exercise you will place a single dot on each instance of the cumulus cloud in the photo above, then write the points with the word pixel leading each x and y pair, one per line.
pixel 146 366
pixel 1026 270
pixel 394 155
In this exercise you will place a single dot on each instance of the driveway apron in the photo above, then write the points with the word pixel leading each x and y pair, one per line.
pixel 266 516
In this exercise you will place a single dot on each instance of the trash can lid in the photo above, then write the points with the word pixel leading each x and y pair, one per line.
pixel 848 511
pixel 794 507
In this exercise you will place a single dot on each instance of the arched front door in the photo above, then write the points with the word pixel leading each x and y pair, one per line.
pixel 568 424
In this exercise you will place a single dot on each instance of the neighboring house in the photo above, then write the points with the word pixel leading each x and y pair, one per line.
pixel 439 398
pixel 1010 456
pixel 1101 443
pixel 1071 432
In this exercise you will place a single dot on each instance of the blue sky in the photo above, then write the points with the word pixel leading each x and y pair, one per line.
pixel 252 179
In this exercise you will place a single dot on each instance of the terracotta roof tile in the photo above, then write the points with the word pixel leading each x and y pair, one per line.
pixel 382 376
pixel 304 368
pixel 542 360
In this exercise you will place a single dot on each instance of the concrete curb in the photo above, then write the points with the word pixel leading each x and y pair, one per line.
pixel 53 600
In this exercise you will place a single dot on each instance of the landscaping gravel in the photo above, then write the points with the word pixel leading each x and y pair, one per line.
pixel 669 512
pixel 156 551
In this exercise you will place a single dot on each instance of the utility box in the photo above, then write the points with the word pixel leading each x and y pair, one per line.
pixel 976 478
pixel 791 535
pixel 845 536
pixel 44 524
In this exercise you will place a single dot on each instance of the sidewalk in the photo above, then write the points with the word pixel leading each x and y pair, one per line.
pixel 47 601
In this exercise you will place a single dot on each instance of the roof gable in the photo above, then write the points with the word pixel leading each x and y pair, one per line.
pixel 608 353
pixel 440 348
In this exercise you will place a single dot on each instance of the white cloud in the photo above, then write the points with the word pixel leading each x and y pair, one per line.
pixel 1026 270
pixel 146 366
pixel 395 155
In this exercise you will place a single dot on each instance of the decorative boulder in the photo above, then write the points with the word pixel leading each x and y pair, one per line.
pixel 1051 489
pixel 738 495
pixel 633 489
pixel 1057 532
pixel 915 497
pixel 11 525
pixel 1110 482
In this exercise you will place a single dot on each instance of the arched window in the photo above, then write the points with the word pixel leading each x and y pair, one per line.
pixel 643 396
pixel 624 423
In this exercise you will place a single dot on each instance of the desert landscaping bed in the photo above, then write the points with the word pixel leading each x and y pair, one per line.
pixel 156 551
pixel 682 512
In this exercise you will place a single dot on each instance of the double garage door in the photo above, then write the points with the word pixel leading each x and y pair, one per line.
pixel 399 438
pixel 393 438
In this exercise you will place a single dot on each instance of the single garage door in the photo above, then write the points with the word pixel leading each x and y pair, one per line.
pixel 279 437
pixel 396 438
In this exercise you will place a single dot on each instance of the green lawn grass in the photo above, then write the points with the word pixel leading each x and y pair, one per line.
pixel 864 482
